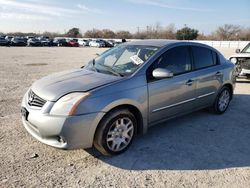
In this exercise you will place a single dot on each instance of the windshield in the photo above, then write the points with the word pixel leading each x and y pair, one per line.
pixel 246 49
pixel 122 60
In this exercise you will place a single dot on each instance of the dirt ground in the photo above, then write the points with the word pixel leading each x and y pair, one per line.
pixel 197 150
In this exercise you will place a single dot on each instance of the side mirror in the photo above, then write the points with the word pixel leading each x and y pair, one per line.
pixel 162 73
pixel 97 54
pixel 237 51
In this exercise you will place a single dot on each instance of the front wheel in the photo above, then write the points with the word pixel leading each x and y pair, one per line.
pixel 115 132
pixel 222 100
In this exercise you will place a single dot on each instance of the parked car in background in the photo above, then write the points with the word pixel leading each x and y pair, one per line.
pixel 73 43
pixel 18 41
pixel 45 42
pixel 107 44
pixel 8 38
pixel 34 42
pixel 52 42
pixel 3 41
pixel 83 42
pixel 112 42
pixel 96 43
pixel 242 61
pixel 29 37
pixel 116 43
pixel 42 37
pixel 61 42
pixel 124 91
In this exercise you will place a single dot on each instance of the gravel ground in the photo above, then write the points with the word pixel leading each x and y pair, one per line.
pixel 197 150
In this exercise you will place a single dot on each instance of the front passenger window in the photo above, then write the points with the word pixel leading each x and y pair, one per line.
pixel 177 60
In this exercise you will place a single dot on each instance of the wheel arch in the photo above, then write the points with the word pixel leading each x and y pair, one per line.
pixel 230 87
pixel 140 129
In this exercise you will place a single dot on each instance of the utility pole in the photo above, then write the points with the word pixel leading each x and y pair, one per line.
pixel 185 25
pixel 148 32
pixel 138 29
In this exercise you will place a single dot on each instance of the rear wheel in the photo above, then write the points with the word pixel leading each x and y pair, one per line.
pixel 115 132
pixel 222 100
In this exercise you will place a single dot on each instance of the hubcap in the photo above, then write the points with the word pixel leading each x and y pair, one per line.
pixel 120 134
pixel 224 100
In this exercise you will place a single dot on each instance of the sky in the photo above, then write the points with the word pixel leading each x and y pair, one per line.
pixel 61 15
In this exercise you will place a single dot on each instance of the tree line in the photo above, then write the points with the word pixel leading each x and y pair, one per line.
pixel 225 32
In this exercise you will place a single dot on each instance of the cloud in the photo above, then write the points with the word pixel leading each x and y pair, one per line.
pixel 160 3
pixel 20 16
pixel 37 8
pixel 86 9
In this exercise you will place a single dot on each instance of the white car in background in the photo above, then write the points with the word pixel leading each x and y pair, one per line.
pixel 242 61
pixel 83 42
pixel 96 43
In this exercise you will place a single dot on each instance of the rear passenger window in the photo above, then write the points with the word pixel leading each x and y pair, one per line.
pixel 203 57
pixel 215 58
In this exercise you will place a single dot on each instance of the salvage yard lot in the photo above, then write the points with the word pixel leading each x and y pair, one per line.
pixel 200 149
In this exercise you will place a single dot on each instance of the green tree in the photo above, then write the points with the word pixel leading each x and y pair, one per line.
pixel 74 32
pixel 186 33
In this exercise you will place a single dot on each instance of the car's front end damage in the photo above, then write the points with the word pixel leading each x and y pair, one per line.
pixel 242 64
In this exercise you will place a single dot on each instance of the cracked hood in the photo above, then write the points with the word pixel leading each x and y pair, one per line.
pixel 54 86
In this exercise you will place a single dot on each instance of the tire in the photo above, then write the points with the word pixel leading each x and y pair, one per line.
pixel 115 132
pixel 222 100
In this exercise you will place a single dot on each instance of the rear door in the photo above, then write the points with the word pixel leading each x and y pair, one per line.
pixel 171 96
pixel 208 73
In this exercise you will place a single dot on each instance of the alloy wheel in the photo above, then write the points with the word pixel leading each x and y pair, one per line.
pixel 224 100
pixel 120 134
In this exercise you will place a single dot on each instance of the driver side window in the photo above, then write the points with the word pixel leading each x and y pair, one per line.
pixel 176 60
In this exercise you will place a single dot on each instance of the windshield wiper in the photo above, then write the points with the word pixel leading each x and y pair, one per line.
pixel 108 68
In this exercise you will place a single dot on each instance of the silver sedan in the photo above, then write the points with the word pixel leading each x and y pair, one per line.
pixel 125 90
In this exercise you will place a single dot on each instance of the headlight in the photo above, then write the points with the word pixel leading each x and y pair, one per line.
pixel 68 104
pixel 233 60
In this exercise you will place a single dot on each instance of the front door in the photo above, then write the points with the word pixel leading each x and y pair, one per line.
pixel 169 97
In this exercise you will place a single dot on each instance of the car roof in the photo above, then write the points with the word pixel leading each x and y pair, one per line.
pixel 164 42
pixel 161 43
pixel 153 42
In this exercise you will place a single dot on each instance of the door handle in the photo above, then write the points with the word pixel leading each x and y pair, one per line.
pixel 189 82
pixel 218 74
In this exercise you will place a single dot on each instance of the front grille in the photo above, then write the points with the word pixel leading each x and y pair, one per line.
pixel 244 63
pixel 34 100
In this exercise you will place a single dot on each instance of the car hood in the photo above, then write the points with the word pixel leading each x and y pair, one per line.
pixel 54 86
pixel 241 55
